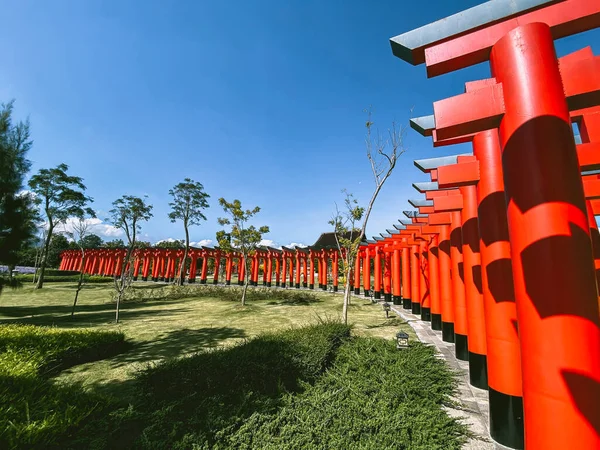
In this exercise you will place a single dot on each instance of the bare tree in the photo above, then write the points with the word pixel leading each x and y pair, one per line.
pixel 80 228
pixel 127 213
pixel 350 224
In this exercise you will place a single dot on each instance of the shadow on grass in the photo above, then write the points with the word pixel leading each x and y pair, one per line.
pixel 85 315
pixel 196 398
pixel 393 322
pixel 305 301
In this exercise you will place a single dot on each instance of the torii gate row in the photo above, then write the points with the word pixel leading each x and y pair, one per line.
pixel 546 211
pixel 484 171
pixel 162 264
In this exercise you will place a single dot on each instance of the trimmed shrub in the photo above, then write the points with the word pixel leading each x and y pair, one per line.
pixel 33 411
pixel 66 278
pixel 227 293
pixel 60 273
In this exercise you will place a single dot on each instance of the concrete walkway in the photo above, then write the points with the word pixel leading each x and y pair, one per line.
pixel 473 409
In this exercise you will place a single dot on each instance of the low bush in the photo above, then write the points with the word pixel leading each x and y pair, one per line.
pixel 373 397
pixel 34 412
pixel 28 278
pixel 59 273
pixel 228 293
pixel 312 388
pixel 218 390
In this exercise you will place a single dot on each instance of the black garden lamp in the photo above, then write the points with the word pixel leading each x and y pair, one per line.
pixel 387 309
pixel 401 340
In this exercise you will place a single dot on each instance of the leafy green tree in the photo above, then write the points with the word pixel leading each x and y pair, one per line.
pixel 58 244
pixel 90 240
pixel 18 214
pixel 115 243
pixel 127 214
pixel 350 224
pixel 176 244
pixel 61 196
pixel 241 237
pixel 189 202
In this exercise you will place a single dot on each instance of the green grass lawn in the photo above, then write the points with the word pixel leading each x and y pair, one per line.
pixel 161 329
pixel 279 373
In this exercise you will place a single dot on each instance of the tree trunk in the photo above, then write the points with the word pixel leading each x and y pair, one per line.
pixel 184 260
pixel 122 282
pixel 346 298
pixel 40 282
pixel 79 283
pixel 246 277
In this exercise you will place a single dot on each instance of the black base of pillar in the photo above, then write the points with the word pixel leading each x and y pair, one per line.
pixel 268 284
pixel 448 332
pixel 478 370
pixel 203 281
pixel 282 285
pixel 415 308
pixel 297 286
pixel 154 279
pixel 215 281
pixel 311 286
pixel 461 349
pixel 377 295
pixel 191 281
pixel 406 303
pixel 277 283
pixel 382 291
pixel 135 278
pixel 228 282
pixel 436 322
pixel 264 283
pixel 387 298
pixel 324 287
pixel 426 314
pixel 240 283
pixel 162 278
pixel 335 289
pixel 506 419
pixel 367 293
pixel 144 278
pixel 304 285
pixel 356 291
pixel 320 286
pixel 397 299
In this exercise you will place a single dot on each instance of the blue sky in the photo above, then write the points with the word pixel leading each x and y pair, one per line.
pixel 261 101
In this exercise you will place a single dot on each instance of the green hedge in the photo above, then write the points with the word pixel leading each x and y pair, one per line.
pixel 28 278
pixel 35 412
pixel 59 273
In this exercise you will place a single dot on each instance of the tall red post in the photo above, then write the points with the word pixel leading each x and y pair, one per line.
pixel 377 272
pixel 204 270
pixel 557 306
pixel 414 279
pixel 297 269
pixel 311 270
pixel 396 277
pixel 461 341
pixel 335 270
pixel 269 270
pixel 357 277
pixel 473 289
pixel 366 271
pixel 387 277
pixel 434 284
pixel 406 283
pixel 425 299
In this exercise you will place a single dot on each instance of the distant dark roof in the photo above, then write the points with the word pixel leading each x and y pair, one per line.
pixel 327 240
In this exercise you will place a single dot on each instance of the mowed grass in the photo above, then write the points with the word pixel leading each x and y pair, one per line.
pixel 160 329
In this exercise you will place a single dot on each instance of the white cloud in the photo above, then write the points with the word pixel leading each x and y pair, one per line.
pixel 202 243
pixel 96 226
pixel 268 243
pixel 296 244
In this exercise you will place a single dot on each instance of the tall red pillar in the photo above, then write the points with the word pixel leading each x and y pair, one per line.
pixel 461 341
pixel 377 272
pixel 357 277
pixel 406 283
pixel 424 282
pixel 414 279
pixel 434 284
pixel 473 290
pixel 366 271
pixel 396 277
pixel 557 304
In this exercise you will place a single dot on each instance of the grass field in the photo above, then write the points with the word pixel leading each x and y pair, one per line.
pixel 160 329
